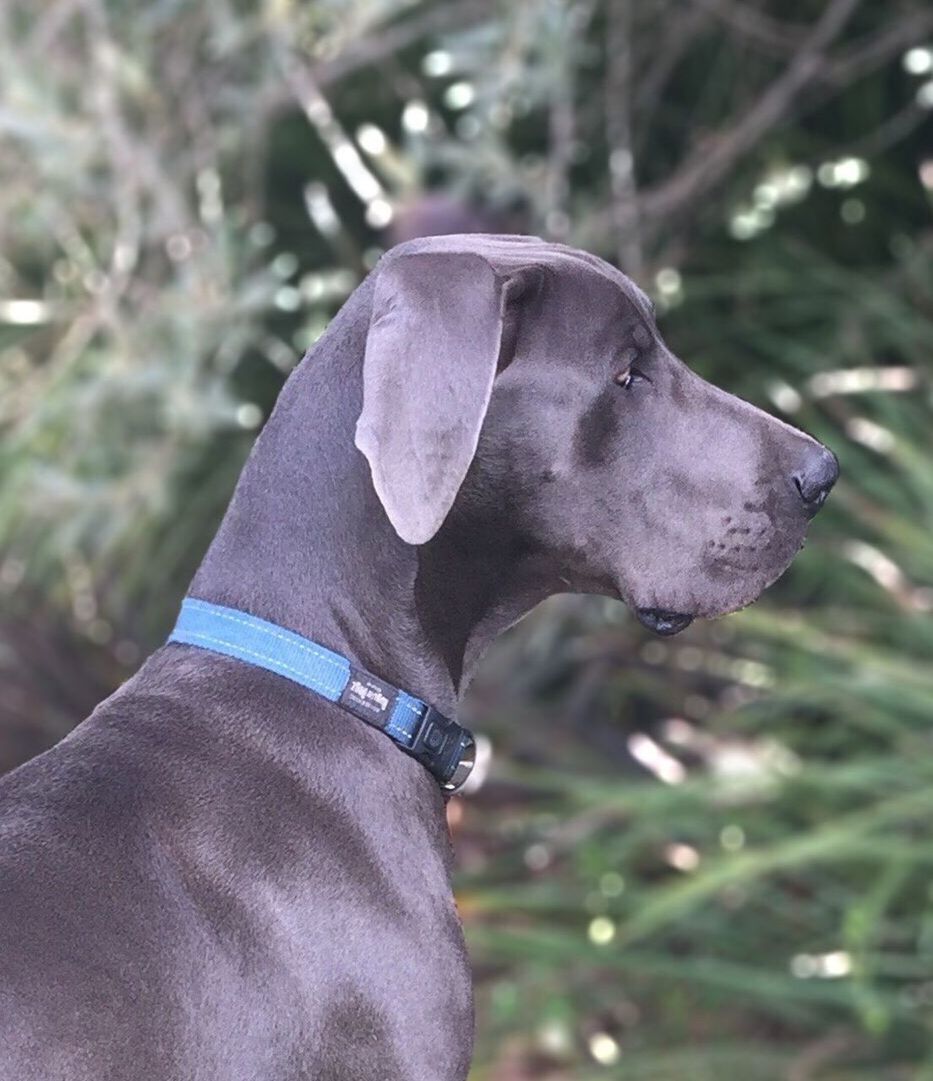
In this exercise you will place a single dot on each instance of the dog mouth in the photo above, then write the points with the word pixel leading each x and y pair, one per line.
pixel 663 622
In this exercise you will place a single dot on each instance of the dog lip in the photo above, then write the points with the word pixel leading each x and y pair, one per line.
pixel 663 622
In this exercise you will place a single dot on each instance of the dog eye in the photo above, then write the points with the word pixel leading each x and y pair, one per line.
pixel 630 377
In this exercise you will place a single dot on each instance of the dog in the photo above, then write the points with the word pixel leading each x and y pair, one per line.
pixel 223 875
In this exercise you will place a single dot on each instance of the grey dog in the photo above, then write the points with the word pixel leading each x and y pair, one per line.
pixel 222 876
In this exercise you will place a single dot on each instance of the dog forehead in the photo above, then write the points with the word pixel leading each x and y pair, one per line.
pixel 507 252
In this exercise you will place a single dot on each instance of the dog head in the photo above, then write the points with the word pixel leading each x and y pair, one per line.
pixel 525 385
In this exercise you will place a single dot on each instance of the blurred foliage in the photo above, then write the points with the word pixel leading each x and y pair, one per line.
pixel 701 857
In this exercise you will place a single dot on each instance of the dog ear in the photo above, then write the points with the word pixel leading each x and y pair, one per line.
pixel 432 353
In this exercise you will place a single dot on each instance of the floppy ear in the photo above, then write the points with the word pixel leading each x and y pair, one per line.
pixel 431 357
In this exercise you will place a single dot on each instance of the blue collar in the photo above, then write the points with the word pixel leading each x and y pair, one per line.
pixel 442 746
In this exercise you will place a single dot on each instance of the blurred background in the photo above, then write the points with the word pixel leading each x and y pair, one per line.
pixel 704 858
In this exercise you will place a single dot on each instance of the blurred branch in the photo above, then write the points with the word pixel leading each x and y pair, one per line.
pixel 773 33
pixel 825 1051
pixel 562 125
pixel 623 209
pixel 343 152
pixel 890 132
pixel 561 130
pixel 49 25
pixel 860 61
pixel 710 162
pixel 385 42
pixel 674 43
pixel 874 50
pixel 380 45
pixel 104 95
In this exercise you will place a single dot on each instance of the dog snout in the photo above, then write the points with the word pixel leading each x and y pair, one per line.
pixel 815 476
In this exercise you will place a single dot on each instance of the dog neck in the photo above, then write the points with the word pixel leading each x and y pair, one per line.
pixel 306 544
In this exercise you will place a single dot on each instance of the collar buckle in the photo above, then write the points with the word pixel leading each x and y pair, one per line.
pixel 444 748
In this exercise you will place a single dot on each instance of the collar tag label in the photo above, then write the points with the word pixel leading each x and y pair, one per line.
pixel 368 698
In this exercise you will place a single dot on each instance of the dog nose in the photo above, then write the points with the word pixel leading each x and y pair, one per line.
pixel 815 477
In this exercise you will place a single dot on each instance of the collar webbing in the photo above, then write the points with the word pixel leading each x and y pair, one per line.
pixel 442 746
